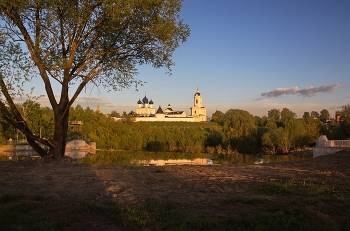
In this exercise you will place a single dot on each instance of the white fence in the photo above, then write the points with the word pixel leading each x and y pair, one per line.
pixel 323 142
pixel 336 144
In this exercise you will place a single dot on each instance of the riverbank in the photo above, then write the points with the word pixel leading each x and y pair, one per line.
pixel 309 194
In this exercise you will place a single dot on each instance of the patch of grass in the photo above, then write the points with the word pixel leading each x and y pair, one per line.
pixel 38 198
pixel 309 188
pixel 157 170
pixel 278 207
pixel 15 214
pixel 90 207
pixel 276 188
pixel 263 221
pixel 9 197
pixel 206 190
pixel 153 215
pixel 273 215
pixel 304 202
pixel 47 224
pixel 246 200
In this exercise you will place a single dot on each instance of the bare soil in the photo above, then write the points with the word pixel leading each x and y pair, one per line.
pixel 196 191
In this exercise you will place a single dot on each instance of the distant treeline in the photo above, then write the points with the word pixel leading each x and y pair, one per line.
pixel 231 132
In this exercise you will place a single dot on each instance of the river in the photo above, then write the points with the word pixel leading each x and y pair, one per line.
pixel 157 158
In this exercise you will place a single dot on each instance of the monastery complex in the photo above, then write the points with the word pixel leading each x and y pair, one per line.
pixel 146 112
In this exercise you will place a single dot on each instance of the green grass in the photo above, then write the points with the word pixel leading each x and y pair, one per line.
pixel 264 214
pixel 272 188
pixel 156 216
pixel 301 188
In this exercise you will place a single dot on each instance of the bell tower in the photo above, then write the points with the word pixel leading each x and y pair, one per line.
pixel 198 111
pixel 197 99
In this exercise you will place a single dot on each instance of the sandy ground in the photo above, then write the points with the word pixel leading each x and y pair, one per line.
pixel 196 190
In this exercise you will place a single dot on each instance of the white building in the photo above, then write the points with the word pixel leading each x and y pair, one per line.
pixel 146 112
pixel 145 108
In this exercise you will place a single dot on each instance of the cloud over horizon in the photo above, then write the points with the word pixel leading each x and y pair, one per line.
pixel 306 92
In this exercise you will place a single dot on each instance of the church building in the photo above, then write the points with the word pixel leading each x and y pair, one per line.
pixel 145 108
pixel 146 112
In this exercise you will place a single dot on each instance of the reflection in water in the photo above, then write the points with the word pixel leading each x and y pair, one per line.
pixel 78 154
pixel 18 155
pixel 160 162
pixel 30 154
pixel 156 158
pixel 255 159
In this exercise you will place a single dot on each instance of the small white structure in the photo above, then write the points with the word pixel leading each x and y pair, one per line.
pixel 325 146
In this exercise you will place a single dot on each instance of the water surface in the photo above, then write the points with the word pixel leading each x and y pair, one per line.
pixel 157 158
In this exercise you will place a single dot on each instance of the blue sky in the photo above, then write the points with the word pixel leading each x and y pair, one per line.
pixel 253 55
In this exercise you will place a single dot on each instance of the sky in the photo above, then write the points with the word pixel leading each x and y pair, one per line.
pixel 252 55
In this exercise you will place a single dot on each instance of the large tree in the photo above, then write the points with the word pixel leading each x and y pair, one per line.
pixel 240 130
pixel 345 120
pixel 76 42
pixel 324 115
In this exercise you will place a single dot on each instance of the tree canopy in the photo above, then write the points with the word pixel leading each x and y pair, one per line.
pixel 240 130
pixel 74 43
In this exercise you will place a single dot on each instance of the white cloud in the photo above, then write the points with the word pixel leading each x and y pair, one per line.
pixel 279 92
pixel 306 92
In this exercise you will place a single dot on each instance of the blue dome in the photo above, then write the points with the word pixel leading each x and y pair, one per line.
pixel 139 102
pixel 145 100
pixel 151 102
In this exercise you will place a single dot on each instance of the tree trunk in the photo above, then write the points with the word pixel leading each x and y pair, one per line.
pixel 60 135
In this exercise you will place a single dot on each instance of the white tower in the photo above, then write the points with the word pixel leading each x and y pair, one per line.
pixel 198 111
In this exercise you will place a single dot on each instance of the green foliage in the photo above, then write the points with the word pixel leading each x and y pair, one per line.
pixel 287 114
pixel 157 216
pixel 240 130
pixel 151 136
pixel 218 116
pixel 324 115
pixel 274 115
pixel 345 120
pixel 276 188
pixel 290 133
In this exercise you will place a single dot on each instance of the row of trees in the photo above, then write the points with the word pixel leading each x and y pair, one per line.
pixel 279 131
pixel 234 131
